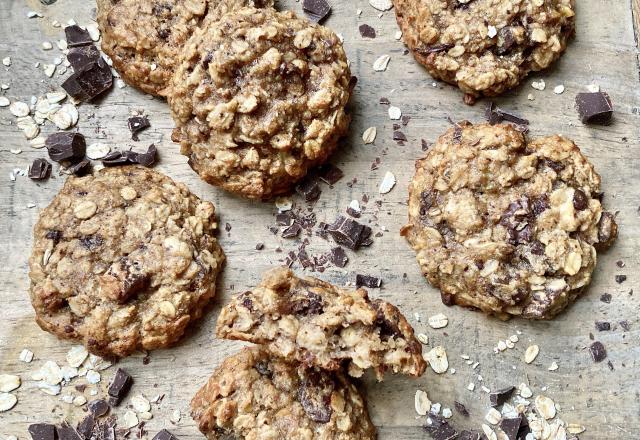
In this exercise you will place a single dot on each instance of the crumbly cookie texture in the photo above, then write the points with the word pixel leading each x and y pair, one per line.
pixel 254 396
pixel 485 46
pixel 507 225
pixel 258 99
pixel 144 38
pixel 123 260
pixel 321 325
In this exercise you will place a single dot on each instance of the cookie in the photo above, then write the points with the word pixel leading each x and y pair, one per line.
pixel 258 99
pixel 504 224
pixel 323 326
pixel 145 37
pixel 123 260
pixel 254 396
pixel 485 46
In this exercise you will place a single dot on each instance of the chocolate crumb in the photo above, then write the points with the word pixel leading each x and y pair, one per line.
pixel 621 279
pixel 40 169
pixel 603 326
pixel 367 31
pixel 605 298
pixel 461 408
pixel 368 281
pixel 598 352
pixel 339 257
pixel 497 398
pixel 138 124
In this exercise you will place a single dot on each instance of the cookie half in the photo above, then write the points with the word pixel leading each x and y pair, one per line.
pixel 123 260
pixel 259 98
pixel 144 38
pixel 485 46
pixel 504 224
pixel 254 396
pixel 323 326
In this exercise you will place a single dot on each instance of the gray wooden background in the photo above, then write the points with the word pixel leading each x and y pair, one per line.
pixel 604 399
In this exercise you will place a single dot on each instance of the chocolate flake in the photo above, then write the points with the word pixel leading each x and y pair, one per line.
pixel 399 136
pixel 292 231
pixel 496 115
pixel 309 189
pixel 594 108
pixel 79 169
pixel 511 427
pixel 316 10
pixel 138 124
pixel 367 31
pixel 330 174
pixel 99 407
pixel 42 431
pixel 65 146
pixel 602 326
pixel 80 57
pixel 605 298
pixel 40 169
pixel 86 425
pixel 89 81
pixel 461 408
pixel 119 386
pixel 66 432
pixel 598 352
pixel 76 36
pixel 349 233
pixel 368 281
pixel 339 257
pixel 164 435
pixel 439 428
pixel 499 397
pixel 621 279
pixel 126 157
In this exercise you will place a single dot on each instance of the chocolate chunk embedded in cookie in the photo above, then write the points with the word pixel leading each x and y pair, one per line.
pixel 123 260
pixel 258 99
pixel 505 224
pixel 324 326
pixel 485 46
pixel 254 396
pixel 144 38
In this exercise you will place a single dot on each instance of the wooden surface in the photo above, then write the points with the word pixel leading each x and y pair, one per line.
pixel 605 401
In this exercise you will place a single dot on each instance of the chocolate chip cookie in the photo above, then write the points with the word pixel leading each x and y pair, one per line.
pixel 123 260
pixel 505 224
pixel 258 99
pixel 485 46
pixel 321 325
pixel 254 396
pixel 144 37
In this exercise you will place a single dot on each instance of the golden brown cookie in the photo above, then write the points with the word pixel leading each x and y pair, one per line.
pixel 145 37
pixel 505 224
pixel 254 396
pixel 485 46
pixel 123 260
pixel 323 326
pixel 258 99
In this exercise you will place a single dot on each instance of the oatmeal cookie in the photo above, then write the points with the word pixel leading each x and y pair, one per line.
pixel 258 99
pixel 254 396
pixel 145 37
pixel 507 225
pixel 485 46
pixel 321 325
pixel 123 260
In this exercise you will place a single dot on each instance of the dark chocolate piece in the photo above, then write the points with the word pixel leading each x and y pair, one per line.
pixel 470 435
pixel 605 298
pixel 99 407
pixel 90 81
pixel 367 31
pixel 76 36
pixel 399 136
pixel 65 146
pixel 434 49
pixel 309 189
pixel 42 431
pixel 292 231
pixel 621 279
pixel 330 174
pixel 316 10
pixel 119 386
pixel 499 397
pixel 138 124
pixel 368 281
pixel 461 408
pixel 439 428
pixel 349 233
pixel 149 158
pixel 80 168
pixel 164 435
pixel 598 352
pixel 496 115
pixel 602 326
pixel 80 57
pixel 594 108
pixel 86 425
pixel 40 169
pixel 511 427
pixel 339 257
pixel 127 157
pixel 66 432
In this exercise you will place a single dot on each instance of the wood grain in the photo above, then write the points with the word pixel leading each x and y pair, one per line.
pixel 635 6
pixel 604 52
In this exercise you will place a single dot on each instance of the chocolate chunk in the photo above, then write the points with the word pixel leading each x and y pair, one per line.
pixel 349 233
pixel 399 136
pixel 292 231
pixel 65 146
pixel 164 435
pixel 506 41
pixel 385 101
pixel 353 213
pixel 580 201
pixel 80 168
pixel 90 81
pixel 119 386
pixel 126 157
pixel 66 432
pixel 80 57
pixel 40 169
pixel 304 259
pixel 123 280
pixel 625 325
pixel 339 257
pixel 603 326
pixel 284 218
pixel 42 431
pixel 461 408
pixel 470 435
pixel 149 158
pixel 314 395
pixel 605 298
pixel 368 281
pixel 137 124
pixel 439 428
pixel 309 189
pixel 367 31
pixel 511 427
pixel 317 10
pixel 594 108
pixel 86 425
pixel 303 303
pixel 598 352
pixel 259 246
pixel 496 115
pixel 330 174
pixel 607 230
pixel 99 407
pixel 76 36
pixel 424 145
pixel 621 279
pixel 499 397
pixel 434 49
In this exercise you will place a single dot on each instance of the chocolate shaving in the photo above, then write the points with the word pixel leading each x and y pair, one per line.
pixel 368 281
pixel 76 36
pixel 598 352
pixel 496 115
pixel 80 168
pixel 80 57
pixel 138 124
pixel 126 157
pixel 367 31
pixel 603 326
pixel 40 169
pixel 309 189
pixel 316 10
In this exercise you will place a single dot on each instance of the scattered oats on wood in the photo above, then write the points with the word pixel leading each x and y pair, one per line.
pixel 545 407
pixel 38 142
pixel 19 109
pixel 471 386
pixel 94 32
pixel 175 416
pixel 438 321
pixel 531 353
pixel 488 432
pixel 447 413
pixel 381 5
pixel 140 403
pixel 574 428
pixel 26 355
pixel 381 63
pixel 4 101
pixel 7 401
pixel 56 97
pixel 52 390
pixel 387 184
pixel 97 150
pixel 437 358
pixel 46 45
pixel 539 85
pixel 559 89
pixel 129 420
pixel 553 366
pixel 9 382
pixel 145 415
pixel 79 400
pixel 93 377
pixel 394 113
pixel 525 391
pixel 502 346
pixel 422 403
pixel 283 204
pixel 369 135
pixel 49 69
pixel 50 373
pixel 398 35
pixel 493 416
pixel 6 61
pixel 593 88
pixel 424 339
pixel 77 355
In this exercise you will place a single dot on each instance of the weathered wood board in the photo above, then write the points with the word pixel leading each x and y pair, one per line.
pixel 606 399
